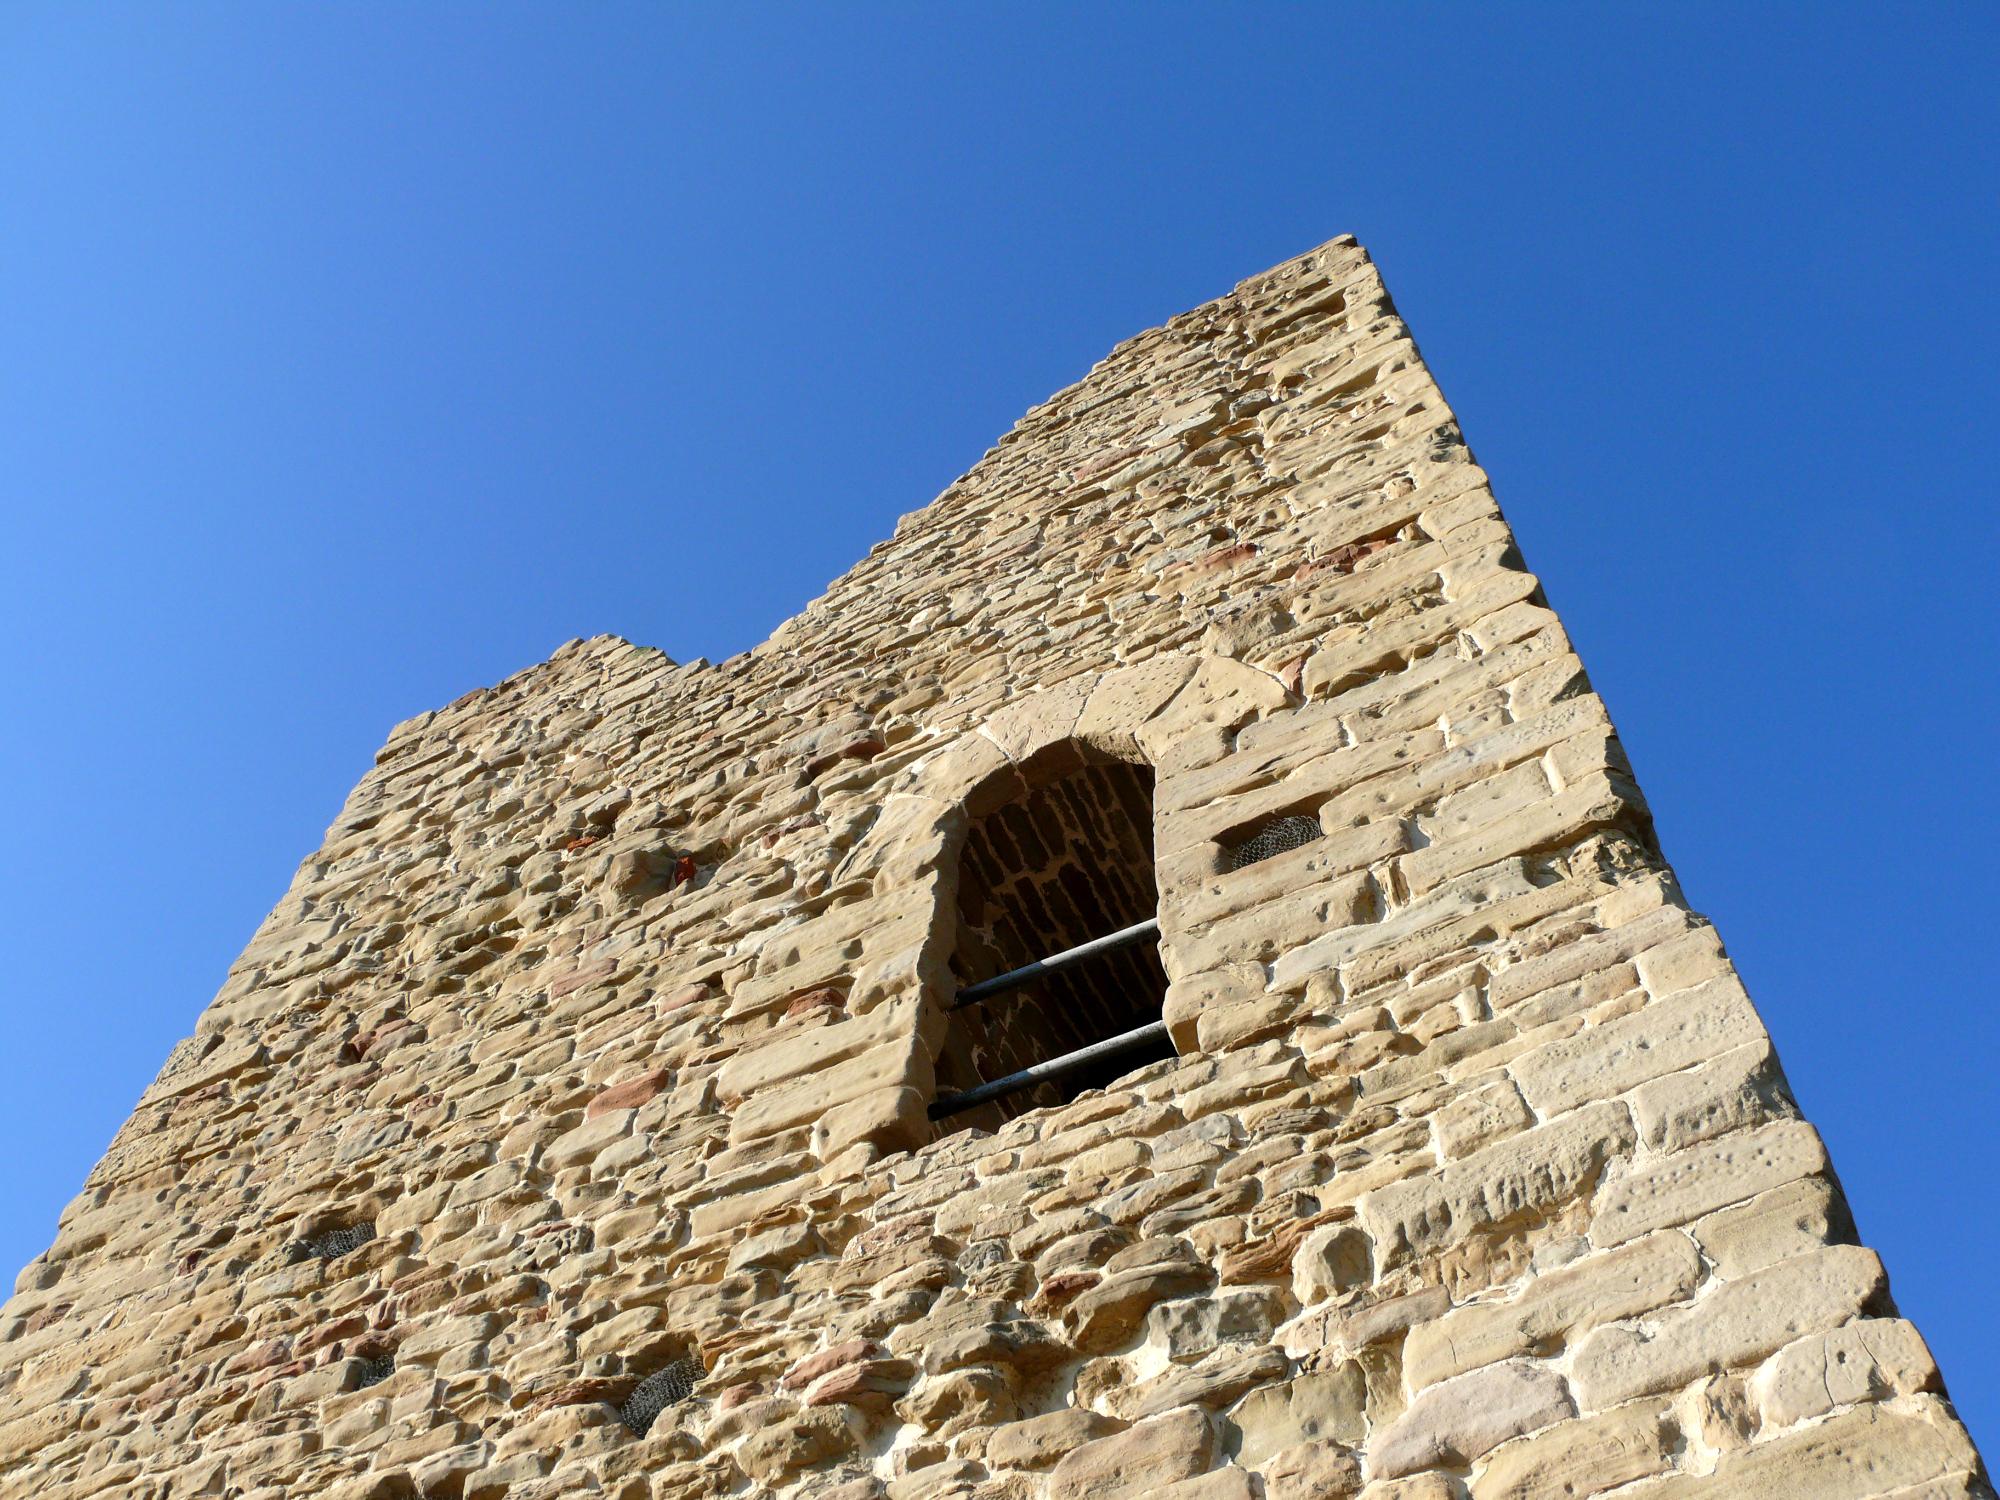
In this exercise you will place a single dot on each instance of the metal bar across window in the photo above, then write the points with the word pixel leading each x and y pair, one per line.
pixel 1055 963
pixel 1055 1067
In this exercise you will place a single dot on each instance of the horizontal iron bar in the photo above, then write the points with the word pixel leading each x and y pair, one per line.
pixel 1042 1072
pixel 1055 963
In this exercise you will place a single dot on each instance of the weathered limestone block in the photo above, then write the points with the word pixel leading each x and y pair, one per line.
pixel 1739 1090
pixel 1264 932
pixel 789 1054
pixel 578 1147
pixel 1221 1484
pixel 1194 727
pixel 962 1399
pixel 1332 1259
pixel 1552 1308
pixel 1867 1452
pixel 1734 1325
pixel 1140 1461
pixel 1109 1314
pixel 896 1064
pixel 1193 1326
pixel 1873 1359
pixel 1466 1124
pixel 1776 1225
pixel 1581 1457
pixel 1040 1442
pixel 771 1454
pixel 1329 1406
pixel 1212 1382
pixel 1682 1187
pixel 1461 1420
pixel 1663 1037
pixel 1195 997
pixel 1594 803
pixel 1535 1172
pixel 962 1331
pixel 1194 894
pixel 1588 954
pixel 1312 1471
pixel 1419 1487
pixel 1355 1326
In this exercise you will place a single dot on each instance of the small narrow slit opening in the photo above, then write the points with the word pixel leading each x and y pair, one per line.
pixel 667 1386
pixel 330 1244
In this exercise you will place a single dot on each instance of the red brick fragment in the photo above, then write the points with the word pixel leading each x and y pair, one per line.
pixel 630 1094
pixel 870 1384
pixel 576 979
pixel 683 997
pixel 584 1392
pixel 809 1369
pixel 1343 559
pixel 332 1332
pixel 1061 1289
pixel 823 997
pixel 260 1356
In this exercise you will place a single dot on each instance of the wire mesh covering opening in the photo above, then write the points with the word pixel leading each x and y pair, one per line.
pixel 657 1392
pixel 330 1244
pixel 1274 838
pixel 375 1371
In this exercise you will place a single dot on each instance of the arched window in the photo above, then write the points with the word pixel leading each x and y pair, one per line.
pixel 1057 960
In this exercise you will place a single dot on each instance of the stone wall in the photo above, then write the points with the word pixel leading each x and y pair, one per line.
pixel 611 1002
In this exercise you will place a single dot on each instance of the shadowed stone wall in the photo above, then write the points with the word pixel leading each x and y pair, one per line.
pixel 610 1006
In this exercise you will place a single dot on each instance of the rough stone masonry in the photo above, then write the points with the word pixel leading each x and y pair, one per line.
pixel 566 1129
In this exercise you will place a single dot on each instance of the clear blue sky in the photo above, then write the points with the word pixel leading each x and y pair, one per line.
pixel 355 356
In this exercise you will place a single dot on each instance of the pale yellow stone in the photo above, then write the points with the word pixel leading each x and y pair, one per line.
pixel 1678 1188
pixel 1554 1308
pixel 1581 1457
pixel 1873 1359
pixel 1734 1325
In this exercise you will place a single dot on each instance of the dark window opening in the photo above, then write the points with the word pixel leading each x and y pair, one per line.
pixel 1065 864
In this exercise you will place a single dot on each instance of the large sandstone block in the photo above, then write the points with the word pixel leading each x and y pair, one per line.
pixel 1327 1406
pixel 1733 1326
pixel 1868 1452
pixel 1739 1090
pixel 1140 1461
pixel 1586 1456
pixel 1536 1172
pixel 1663 1037
pixel 1873 1359
pixel 1682 1187
pixel 1460 1421
pixel 1554 1307
pixel 1773 1226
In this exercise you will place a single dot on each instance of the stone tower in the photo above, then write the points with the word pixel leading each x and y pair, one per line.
pixel 654 1088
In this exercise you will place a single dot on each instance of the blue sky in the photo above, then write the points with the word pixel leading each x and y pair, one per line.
pixel 355 356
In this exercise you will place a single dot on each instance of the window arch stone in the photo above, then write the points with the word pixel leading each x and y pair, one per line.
pixel 888 934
